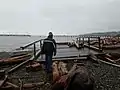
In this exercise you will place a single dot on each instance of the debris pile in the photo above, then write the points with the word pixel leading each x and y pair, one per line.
pixel 107 43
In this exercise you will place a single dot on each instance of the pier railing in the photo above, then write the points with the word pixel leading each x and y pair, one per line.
pixel 35 50
pixel 87 42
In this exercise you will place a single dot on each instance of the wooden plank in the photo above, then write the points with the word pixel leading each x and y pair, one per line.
pixel 109 63
pixel 94 48
pixel 65 59
pixel 24 47
pixel 62 68
pixel 55 72
pixel 4 81
pixel 19 65
pixel 2 72
pixel 31 85
pixel 13 85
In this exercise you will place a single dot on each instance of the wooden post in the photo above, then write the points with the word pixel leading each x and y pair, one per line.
pixel 79 40
pixel 40 44
pixel 34 50
pixel 83 40
pixel 89 41
pixel 99 43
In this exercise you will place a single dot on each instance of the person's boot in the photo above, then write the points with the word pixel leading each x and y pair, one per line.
pixel 46 78
pixel 50 77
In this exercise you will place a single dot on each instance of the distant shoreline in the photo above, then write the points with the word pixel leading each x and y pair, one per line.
pixel 14 35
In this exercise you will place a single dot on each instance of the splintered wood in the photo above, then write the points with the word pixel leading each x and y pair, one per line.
pixel 34 66
pixel 15 59
pixel 59 69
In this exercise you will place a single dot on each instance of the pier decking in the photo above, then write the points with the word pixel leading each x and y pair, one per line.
pixel 105 68
pixel 66 51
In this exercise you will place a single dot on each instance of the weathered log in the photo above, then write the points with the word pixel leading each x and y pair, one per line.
pixel 66 59
pixel 7 87
pixel 56 74
pixel 15 59
pixel 115 55
pixel 108 55
pixel 62 68
pixel 31 85
pixel 108 59
pixel 117 60
pixel 109 63
pixel 19 57
pixel 21 84
pixel 20 53
pixel 72 69
pixel 92 47
pixel 13 85
pixel 34 67
pixel 77 75
pixel 111 47
pixel 80 78
pixel 77 45
pixel 4 81
pixel 2 72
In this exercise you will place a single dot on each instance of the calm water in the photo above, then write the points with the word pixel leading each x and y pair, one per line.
pixel 10 43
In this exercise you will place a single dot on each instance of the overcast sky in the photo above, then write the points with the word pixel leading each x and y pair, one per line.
pixel 38 17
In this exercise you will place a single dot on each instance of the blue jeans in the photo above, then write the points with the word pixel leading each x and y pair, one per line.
pixel 48 63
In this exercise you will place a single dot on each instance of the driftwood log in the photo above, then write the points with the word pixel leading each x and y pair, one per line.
pixel 78 78
pixel 56 74
pixel 15 59
pixel 62 68
pixel 59 69
pixel 3 81
pixel 11 86
pixel 32 85
pixel 34 66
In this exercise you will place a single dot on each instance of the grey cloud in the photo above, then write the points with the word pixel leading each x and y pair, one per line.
pixel 60 16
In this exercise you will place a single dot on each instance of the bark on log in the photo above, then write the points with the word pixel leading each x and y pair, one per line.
pixel 19 57
pixel 34 67
pixel 62 68
pixel 3 82
pixel 31 85
pixel 115 65
pixel 15 59
pixel 56 74
pixel 13 85
pixel 7 87
pixel 108 59
pixel 2 72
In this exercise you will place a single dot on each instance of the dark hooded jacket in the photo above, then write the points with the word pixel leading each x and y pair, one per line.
pixel 49 46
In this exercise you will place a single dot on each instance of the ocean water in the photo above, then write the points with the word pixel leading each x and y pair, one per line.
pixel 10 43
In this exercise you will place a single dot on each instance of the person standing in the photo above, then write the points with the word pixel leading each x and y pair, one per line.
pixel 49 49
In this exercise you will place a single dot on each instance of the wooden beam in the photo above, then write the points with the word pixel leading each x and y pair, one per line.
pixel 19 65
pixel 31 85
pixel 13 85
pixel 94 48
pixel 4 81
pixel 108 63
pixel 65 59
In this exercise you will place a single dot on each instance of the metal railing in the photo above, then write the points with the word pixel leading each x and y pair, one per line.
pixel 34 47
pixel 88 41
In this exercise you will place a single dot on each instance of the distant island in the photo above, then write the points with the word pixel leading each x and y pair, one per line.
pixel 15 35
pixel 113 33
